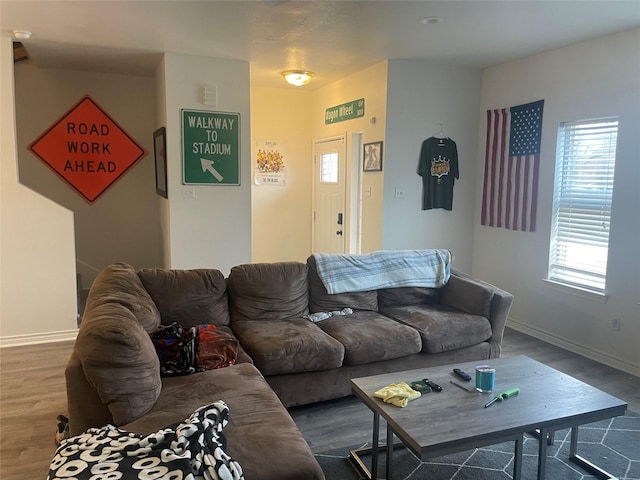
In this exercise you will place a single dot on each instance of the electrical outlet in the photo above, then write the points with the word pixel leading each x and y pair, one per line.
pixel 399 193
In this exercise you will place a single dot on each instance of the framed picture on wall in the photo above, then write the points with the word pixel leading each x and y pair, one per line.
pixel 160 156
pixel 372 157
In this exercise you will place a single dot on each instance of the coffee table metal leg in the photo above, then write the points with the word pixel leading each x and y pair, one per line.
pixel 388 471
pixel 542 453
pixel 550 435
pixel 517 458
pixel 355 455
pixel 375 445
pixel 583 462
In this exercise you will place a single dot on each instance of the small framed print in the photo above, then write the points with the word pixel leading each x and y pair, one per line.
pixel 372 161
pixel 160 156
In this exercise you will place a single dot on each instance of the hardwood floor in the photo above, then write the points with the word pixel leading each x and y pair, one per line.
pixel 32 395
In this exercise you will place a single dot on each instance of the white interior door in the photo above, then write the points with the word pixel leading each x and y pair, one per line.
pixel 330 223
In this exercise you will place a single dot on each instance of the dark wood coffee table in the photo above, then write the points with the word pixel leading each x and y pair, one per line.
pixel 455 420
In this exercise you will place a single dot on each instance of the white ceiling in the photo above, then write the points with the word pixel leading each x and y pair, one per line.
pixel 331 38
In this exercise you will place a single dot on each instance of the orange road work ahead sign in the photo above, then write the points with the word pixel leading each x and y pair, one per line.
pixel 87 149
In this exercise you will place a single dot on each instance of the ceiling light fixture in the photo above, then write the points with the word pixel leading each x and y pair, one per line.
pixel 431 20
pixel 21 34
pixel 297 78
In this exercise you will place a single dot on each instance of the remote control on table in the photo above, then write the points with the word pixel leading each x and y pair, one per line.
pixel 434 386
pixel 463 375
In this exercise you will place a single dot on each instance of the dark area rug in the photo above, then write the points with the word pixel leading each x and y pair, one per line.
pixel 613 445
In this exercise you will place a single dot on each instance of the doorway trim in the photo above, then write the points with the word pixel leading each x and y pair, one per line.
pixel 354 193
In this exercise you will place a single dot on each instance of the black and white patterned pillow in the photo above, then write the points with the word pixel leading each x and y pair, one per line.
pixel 195 448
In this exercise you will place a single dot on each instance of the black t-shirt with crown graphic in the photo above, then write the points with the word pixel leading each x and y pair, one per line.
pixel 438 168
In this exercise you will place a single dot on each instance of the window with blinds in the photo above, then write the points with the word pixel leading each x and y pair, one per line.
pixel 585 163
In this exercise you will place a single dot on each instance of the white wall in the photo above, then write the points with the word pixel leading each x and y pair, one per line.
pixel 212 230
pixel 370 84
pixel 37 257
pixel 598 78
pixel 281 215
pixel 122 224
pixel 420 96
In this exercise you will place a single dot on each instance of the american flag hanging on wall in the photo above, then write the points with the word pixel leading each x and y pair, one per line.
pixel 511 165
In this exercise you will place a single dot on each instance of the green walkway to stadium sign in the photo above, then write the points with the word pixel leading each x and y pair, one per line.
pixel 211 147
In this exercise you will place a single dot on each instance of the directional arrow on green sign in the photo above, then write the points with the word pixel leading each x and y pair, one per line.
pixel 207 166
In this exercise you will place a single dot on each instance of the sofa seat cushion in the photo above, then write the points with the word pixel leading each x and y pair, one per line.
pixel 188 297
pixel 288 346
pixel 441 327
pixel 261 436
pixel 370 337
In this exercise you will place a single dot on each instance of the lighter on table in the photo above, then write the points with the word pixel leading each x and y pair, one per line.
pixel 504 395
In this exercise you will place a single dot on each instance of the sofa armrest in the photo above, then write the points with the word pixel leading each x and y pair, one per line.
pixel 478 297
pixel 86 410
pixel 500 306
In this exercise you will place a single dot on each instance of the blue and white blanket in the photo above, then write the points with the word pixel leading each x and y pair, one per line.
pixel 384 269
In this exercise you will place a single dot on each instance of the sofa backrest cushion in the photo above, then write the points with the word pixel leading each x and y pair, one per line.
pixel 188 297
pixel 468 295
pixel 119 283
pixel 268 291
pixel 119 361
pixel 405 296
pixel 321 301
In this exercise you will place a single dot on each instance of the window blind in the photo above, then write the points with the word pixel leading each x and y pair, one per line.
pixel 585 164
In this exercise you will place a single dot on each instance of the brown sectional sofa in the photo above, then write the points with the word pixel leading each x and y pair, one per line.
pixel 284 359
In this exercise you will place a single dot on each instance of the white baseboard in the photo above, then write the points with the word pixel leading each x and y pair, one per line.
pixel 36 338
pixel 601 357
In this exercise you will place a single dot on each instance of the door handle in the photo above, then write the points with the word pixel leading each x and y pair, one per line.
pixel 339 232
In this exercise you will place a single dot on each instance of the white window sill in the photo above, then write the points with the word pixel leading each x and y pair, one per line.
pixel 577 291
